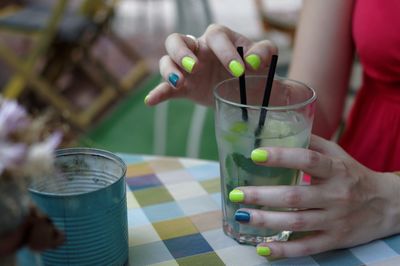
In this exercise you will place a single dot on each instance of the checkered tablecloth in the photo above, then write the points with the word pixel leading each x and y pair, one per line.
pixel 174 218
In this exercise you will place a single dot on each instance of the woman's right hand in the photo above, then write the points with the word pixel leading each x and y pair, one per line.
pixel 192 68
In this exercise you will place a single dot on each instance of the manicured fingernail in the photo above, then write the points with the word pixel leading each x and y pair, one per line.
pixel 236 195
pixel 146 99
pixel 253 60
pixel 188 64
pixel 236 68
pixel 242 216
pixel 259 156
pixel 173 78
pixel 263 251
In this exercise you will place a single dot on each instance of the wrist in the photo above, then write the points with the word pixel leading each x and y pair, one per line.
pixel 389 190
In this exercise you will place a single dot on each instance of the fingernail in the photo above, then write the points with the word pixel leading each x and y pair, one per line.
pixel 236 68
pixel 146 99
pixel 188 63
pixel 236 195
pixel 242 216
pixel 263 251
pixel 259 156
pixel 253 60
pixel 173 79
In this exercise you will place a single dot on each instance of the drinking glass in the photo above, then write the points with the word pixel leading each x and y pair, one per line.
pixel 239 130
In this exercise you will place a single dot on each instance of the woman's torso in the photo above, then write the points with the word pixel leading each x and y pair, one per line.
pixel 372 133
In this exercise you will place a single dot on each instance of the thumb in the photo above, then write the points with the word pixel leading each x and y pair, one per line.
pixel 161 93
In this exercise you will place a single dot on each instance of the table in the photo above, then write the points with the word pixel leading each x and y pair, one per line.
pixel 174 218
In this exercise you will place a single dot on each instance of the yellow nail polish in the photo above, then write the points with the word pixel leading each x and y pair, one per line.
pixel 263 251
pixel 259 156
pixel 236 68
pixel 146 99
pixel 236 195
pixel 253 60
pixel 188 64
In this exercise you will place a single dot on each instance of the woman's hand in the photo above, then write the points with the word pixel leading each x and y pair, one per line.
pixel 346 204
pixel 192 68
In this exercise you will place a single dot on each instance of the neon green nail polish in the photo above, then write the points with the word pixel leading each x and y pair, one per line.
pixel 146 99
pixel 236 68
pixel 253 60
pixel 263 251
pixel 259 156
pixel 188 64
pixel 236 195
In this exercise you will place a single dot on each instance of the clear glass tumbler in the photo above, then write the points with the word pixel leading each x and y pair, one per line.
pixel 288 122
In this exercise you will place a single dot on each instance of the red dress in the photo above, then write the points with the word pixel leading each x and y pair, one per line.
pixel 372 134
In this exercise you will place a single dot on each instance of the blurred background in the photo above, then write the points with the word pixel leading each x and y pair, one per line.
pixel 88 64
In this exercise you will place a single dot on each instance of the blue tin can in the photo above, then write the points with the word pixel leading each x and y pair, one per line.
pixel 87 200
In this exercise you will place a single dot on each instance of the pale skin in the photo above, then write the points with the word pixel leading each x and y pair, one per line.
pixel 347 204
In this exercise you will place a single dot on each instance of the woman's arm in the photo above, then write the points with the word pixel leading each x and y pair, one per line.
pixel 323 57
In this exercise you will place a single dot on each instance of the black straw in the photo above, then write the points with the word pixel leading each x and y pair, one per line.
pixel 267 94
pixel 242 86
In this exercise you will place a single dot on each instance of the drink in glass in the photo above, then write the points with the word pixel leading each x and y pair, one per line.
pixel 288 123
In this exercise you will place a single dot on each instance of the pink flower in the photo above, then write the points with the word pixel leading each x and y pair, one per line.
pixel 40 157
pixel 19 155
pixel 12 117
pixel 11 155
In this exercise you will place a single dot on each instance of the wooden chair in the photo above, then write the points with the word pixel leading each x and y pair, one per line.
pixel 274 22
pixel 65 41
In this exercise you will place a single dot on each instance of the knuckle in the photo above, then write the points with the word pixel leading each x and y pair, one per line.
pixel 306 250
pixel 298 223
pixel 254 196
pixel 276 155
pixel 312 159
pixel 279 251
pixel 170 47
pixel 257 219
pixel 330 165
pixel 162 60
pixel 293 197
pixel 213 28
pixel 174 35
pixel 341 165
pixel 272 47
pixel 170 37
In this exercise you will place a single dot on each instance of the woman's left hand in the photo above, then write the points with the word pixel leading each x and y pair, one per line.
pixel 346 204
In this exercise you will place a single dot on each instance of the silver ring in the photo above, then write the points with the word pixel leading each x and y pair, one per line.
pixel 196 42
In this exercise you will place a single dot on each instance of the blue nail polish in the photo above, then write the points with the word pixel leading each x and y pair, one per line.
pixel 242 216
pixel 173 78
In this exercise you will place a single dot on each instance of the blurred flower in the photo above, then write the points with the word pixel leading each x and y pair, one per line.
pixel 12 118
pixel 24 152
pixel 11 155
pixel 39 159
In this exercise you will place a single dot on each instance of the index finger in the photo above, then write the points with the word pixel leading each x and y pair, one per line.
pixel 222 41
pixel 181 49
pixel 309 161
